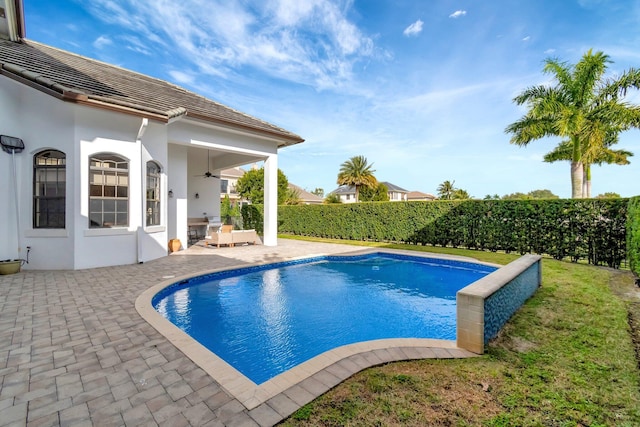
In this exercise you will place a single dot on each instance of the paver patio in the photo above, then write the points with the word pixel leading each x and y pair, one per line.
pixel 75 352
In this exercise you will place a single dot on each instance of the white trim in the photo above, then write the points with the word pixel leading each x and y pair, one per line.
pixel 46 232
pixel 230 149
pixel 95 232
pixel 155 229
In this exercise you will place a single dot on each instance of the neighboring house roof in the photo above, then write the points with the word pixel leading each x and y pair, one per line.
pixel 232 173
pixel 417 195
pixel 344 189
pixel 75 78
pixel 306 196
pixel 393 187
pixel 351 189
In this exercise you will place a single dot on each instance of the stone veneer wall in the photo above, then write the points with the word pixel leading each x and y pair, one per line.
pixel 487 304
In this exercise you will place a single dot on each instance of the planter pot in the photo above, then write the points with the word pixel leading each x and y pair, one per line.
pixel 10 266
pixel 174 245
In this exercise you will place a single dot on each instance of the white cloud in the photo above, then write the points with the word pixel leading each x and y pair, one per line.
pixel 526 39
pixel 458 14
pixel 311 42
pixel 413 29
pixel 182 77
pixel 549 51
pixel 101 42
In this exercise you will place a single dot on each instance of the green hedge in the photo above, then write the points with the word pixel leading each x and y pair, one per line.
pixel 586 229
pixel 633 235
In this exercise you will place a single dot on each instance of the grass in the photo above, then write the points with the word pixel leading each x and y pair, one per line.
pixel 566 358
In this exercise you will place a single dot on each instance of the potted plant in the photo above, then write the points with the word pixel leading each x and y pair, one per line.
pixel 10 266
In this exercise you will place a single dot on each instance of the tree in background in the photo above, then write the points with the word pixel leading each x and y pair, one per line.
pixel 460 194
pixel 490 197
pixel 332 198
pixel 516 196
pixel 608 195
pixel 228 211
pixel 357 172
pixel 446 190
pixel 582 107
pixel 593 154
pixel 251 186
pixel 292 197
pixel 378 194
pixel 318 192
pixel 542 194
pixel 535 194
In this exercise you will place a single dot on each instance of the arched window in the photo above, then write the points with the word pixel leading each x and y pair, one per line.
pixel 153 193
pixel 49 189
pixel 108 191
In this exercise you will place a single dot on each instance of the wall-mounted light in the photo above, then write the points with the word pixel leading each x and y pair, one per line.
pixel 197 196
pixel 170 194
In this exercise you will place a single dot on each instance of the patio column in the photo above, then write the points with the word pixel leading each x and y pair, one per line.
pixel 270 237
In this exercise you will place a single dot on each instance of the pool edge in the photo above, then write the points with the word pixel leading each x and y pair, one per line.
pixel 317 375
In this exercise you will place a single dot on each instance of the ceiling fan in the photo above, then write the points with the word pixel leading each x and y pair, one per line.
pixel 208 174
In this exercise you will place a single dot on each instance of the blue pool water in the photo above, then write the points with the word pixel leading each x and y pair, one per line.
pixel 265 320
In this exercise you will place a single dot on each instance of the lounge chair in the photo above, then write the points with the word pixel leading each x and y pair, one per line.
pixel 244 236
pixel 220 237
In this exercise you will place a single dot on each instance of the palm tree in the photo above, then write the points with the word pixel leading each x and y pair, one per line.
pixel 579 107
pixel 593 154
pixel 446 190
pixel 460 194
pixel 357 172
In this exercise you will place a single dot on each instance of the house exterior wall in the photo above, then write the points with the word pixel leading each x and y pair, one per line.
pixel 178 184
pixel 44 122
pixel 39 121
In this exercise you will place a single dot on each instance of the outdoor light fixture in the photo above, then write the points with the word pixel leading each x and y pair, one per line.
pixel 197 196
pixel 170 194
pixel 11 144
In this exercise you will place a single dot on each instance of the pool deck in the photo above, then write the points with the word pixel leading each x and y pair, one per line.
pixel 74 351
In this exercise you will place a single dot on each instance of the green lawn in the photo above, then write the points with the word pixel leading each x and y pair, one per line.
pixel 565 359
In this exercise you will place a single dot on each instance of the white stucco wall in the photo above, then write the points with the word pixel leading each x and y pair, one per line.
pixel 181 148
pixel 42 123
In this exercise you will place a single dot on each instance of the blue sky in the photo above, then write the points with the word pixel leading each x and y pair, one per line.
pixel 423 89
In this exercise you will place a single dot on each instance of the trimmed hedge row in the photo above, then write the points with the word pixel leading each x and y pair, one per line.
pixel 633 235
pixel 577 229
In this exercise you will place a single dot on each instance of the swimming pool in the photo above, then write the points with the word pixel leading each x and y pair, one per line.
pixel 265 319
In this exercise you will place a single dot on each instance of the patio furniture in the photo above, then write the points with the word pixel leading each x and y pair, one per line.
pixel 220 237
pixel 244 236
pixel 197 228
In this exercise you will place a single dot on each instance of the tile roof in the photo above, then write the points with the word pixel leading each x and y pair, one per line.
pixel 418 195
pixel 305 195
pixel 393 187
pixel 351 189
pixel 79 79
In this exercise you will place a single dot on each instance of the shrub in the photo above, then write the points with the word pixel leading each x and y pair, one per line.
pixel 579 229
pixel 633 234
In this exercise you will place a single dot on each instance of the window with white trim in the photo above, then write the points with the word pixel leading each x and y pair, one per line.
pixel 153 193
pixel 49 189
pixel 108 191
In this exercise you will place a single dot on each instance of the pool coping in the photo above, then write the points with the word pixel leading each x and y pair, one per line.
pixel 314 376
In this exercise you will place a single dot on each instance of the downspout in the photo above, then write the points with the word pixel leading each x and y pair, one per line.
pixel 17 201
pixel 143 128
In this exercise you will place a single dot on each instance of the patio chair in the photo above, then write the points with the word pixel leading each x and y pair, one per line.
pixel 220 237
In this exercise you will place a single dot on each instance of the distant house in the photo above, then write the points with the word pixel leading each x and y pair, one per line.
pixel 228 184
pixel 347 193
pixel 417 195
pixel 306 197
pixel 396 194
pixel 111 164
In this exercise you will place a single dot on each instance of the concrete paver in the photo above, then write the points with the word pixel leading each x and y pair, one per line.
pixel 74 350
